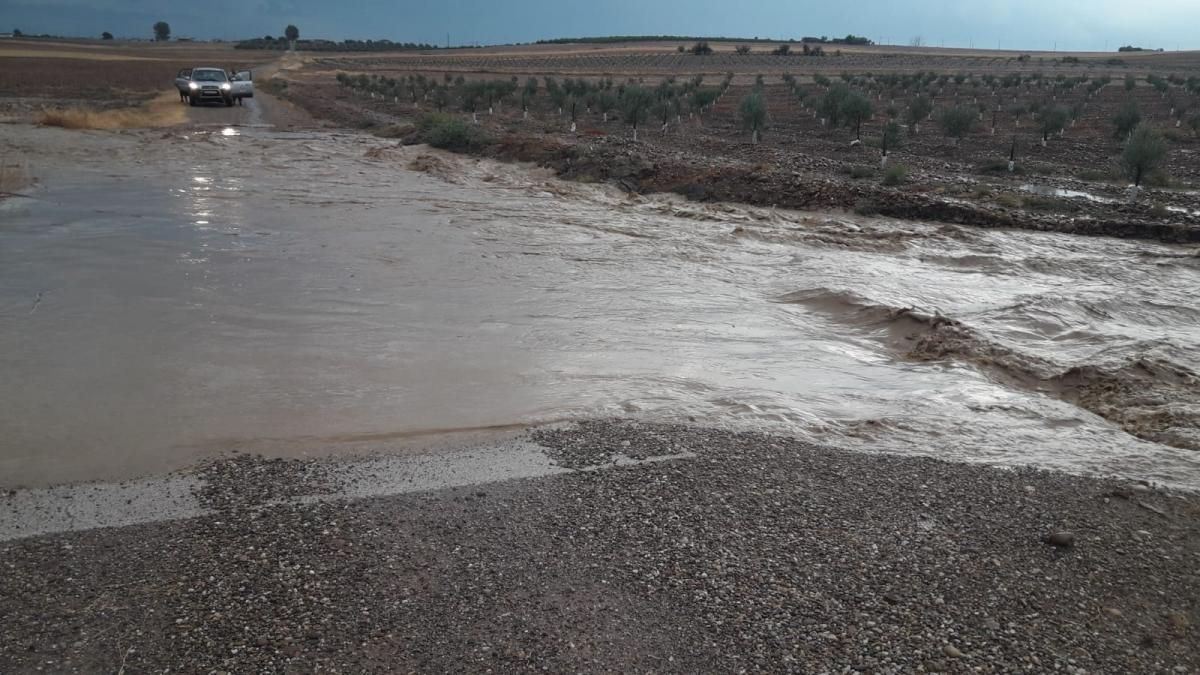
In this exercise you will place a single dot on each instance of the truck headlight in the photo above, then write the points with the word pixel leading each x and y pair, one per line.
pixel 193 85
pixel 225 87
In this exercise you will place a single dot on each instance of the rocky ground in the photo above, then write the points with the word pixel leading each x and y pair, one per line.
pixel 743 553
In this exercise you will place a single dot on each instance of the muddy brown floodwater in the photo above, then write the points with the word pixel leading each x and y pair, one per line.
pixel 166 296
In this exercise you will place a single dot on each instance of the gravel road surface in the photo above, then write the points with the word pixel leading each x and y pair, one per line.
pixel 743 553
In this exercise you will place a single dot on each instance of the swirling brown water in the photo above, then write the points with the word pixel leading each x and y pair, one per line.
pixel 164 298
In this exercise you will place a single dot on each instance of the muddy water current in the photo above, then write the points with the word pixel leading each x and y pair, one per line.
pixel 168 296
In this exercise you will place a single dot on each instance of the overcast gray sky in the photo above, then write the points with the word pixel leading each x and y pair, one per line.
pixel 1012 24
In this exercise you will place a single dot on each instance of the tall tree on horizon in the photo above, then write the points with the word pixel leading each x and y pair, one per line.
pixel 162 31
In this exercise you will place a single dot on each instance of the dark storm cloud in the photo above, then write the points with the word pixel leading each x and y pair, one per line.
pixel 1024 24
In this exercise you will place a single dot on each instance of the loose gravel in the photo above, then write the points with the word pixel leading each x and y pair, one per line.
pixel 757 554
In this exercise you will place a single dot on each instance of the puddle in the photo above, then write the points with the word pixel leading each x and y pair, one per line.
pixel 1049 191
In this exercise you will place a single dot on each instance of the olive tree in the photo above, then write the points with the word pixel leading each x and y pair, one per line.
pixel 918 109
pixel 162 31
pixel 1180 110
pixel 440 97
pixel 1054 120
pixel 527 94
pixel 957 123
pixel 606 101
pixel 1127 119
pixel 662 111
pixel 701 99
pixel 635 107
pixel 830 106
pixel 752 111
pixel 471 93
pixel 856 109
pixel 292 34
pixel 1144 152
pixel 888 139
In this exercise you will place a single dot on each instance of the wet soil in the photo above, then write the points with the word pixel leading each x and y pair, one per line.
pixel 708 161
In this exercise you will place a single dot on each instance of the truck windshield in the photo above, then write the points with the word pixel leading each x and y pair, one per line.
pixel 209 75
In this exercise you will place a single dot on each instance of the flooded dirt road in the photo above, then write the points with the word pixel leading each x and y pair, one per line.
pixel 170 295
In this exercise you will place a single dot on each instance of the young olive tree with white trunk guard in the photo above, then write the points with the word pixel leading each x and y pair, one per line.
pixel 856 109
pixel 752 111
pixel 1054 120
pixel 635 107
pixel 918 109
pixel 1144 152
pixel 957 123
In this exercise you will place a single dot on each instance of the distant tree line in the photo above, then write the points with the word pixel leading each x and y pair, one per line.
pixel 648 38
pixel 848 40
pixel 282 42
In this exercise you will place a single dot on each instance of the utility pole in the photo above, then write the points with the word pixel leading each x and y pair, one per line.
pixel 447 40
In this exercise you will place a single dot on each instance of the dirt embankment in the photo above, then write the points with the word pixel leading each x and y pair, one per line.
pixel 786 180
pixel 646 169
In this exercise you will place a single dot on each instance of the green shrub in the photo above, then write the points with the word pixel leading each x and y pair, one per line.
pixel 895 175
pixel 1008 200
pixel 1038 203
pixel 1159 179
pixel 998 166
pixel 866 207
pixel 448 132
pixel 1174 136
pixel 394 131
pixel 857 172
pixel 1095 175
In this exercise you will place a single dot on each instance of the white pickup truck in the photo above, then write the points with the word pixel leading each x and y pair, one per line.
pixel 203 85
